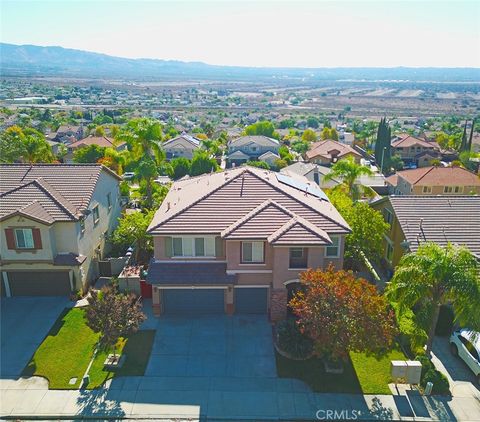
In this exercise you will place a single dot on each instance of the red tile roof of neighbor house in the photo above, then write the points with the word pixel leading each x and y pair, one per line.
pixel 48 192
pixel 440 219
pixel 406 141
pixel 248 203
pixel 324 149
pixel 437 176
pixel 101 141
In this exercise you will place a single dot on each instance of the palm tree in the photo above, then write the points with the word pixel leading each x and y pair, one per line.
pixel 433 276
pixel 349 171
pixel 144 137
pixel 147 170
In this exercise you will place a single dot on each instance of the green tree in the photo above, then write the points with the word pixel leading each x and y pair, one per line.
pixel 37 149
pixel 132 231
pixel 24 145
pixel 264 128
pixel 12 148
pixel 285 155
pixel 309 135
pixel 202 163
pixel 99 131
pixel 349 171
pixel 180 167
pixel 383 148
pixel 143 137
pixel 433 276
pixel 147 171
pixel 300 147
pixel 258 164
pixel 312 122
pixel 89 154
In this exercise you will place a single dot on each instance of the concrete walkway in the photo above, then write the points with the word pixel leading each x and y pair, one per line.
pixel 218 398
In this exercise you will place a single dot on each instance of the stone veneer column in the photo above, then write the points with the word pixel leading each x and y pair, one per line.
pixel 278 304
pixel 156 301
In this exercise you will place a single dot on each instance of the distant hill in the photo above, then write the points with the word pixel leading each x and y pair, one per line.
pixel 31 60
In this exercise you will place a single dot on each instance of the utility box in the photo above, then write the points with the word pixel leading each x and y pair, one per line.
pixel 414 371
pixel 398 370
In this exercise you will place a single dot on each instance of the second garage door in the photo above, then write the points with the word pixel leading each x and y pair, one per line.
pixel 193 301
pixel 251 300
pixel 51 283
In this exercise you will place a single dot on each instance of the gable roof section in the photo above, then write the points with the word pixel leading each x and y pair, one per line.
pixel 211 203
pixel 268 154
pixel 298 231
pixel 101 141
pixel 261 140
pixel 406 141
pixel 440 176
pixel 195 142
pixel 323 149
pixel 439 219
pixel 47 192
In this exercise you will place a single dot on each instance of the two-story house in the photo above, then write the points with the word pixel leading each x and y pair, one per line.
pixel 235 242
pixel 252 148
pixel 183 145
pixel 101 141
pixel 68 133
pixel 442 219
pixel 54 223
pixel 434 181
pixel 328 152
pixel 414 150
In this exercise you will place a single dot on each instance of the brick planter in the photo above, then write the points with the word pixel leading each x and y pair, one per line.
pixel 278 304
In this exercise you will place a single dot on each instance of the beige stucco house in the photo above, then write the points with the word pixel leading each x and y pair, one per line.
pixel 434 181
pixel 181 146
pixel 54 222
pixel 328 152
pixel 235 242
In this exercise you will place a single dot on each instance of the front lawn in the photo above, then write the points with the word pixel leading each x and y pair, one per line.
pixel 68 348
pixel 362 374
pixel 65 352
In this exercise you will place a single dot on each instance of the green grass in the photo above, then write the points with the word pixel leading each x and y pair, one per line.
pixel 65 352
pixel 68 348
pixel 136 347
pixel 362 374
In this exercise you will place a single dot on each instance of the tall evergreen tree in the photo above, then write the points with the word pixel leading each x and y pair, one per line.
pixel 470 140
pixel 463 145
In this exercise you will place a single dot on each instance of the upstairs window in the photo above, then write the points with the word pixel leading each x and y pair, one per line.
pixel 109 201
pixel 427 189
pixel 298 258
pixel 193 246
pixel 96 215
pixel 252 252
pixel 24 239
pixel 387 216
pixel 333 251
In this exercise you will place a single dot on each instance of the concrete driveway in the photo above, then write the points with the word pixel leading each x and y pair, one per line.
pixel 213 346
pixel 461 378
pixel 25 321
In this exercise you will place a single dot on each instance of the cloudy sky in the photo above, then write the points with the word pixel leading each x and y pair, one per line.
pixel 260 33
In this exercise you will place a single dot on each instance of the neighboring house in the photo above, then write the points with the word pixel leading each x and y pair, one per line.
pixel 101 141
pixel 434 181
pixel 67 133
pixel 269 157
pixel 417 219
pixel 54 220
pixel 235 242
pixel 328 152
pixel 476 143
pixel 250 148
pixel 181 146
pixel 412 149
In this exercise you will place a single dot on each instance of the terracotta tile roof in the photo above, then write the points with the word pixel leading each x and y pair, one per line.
pixel 440 176
pixel 439 219
pixel 406 141
pixel 48 192
pixel 235 203
pixel 101 141
pixel 325 148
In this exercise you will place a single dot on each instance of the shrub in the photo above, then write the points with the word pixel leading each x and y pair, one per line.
pixel 445 321
pixel 292 341
pixel 430 374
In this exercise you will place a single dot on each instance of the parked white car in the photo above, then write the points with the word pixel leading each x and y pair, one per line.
pixel 465 344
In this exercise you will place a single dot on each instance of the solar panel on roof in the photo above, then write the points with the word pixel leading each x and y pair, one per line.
pixel 312 188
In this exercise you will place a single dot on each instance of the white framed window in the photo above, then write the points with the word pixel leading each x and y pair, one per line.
pixel 387 216
pixel 190 246
pixel 96 215
pixel 24 239
pixel 109 201
pixel 458 189
pixel 252 253
pixel 389 252
pixel 427 189
pixel 82 226
pixel 333 251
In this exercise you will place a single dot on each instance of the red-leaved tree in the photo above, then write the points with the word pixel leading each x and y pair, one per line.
pixel 342 314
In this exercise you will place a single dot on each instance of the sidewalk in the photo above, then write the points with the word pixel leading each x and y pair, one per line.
pixel 221 399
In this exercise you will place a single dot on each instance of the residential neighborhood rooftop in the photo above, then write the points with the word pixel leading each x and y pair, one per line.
pixel 101 141
pixel 436 176
pixel 326 147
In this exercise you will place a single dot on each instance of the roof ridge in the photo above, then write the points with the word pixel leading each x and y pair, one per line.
pixel 423 175
pixel 307 225
pixel 56 196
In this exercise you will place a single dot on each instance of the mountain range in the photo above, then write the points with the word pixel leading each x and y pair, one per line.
pixel 32 60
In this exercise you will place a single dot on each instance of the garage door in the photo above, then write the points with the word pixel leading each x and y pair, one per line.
pixel 193 301
pixel 53 283
pixel 251 300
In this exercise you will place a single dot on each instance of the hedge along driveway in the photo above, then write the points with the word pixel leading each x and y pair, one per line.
pixel 65 352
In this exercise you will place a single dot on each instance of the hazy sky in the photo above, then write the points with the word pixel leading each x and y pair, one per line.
pixel 260 33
